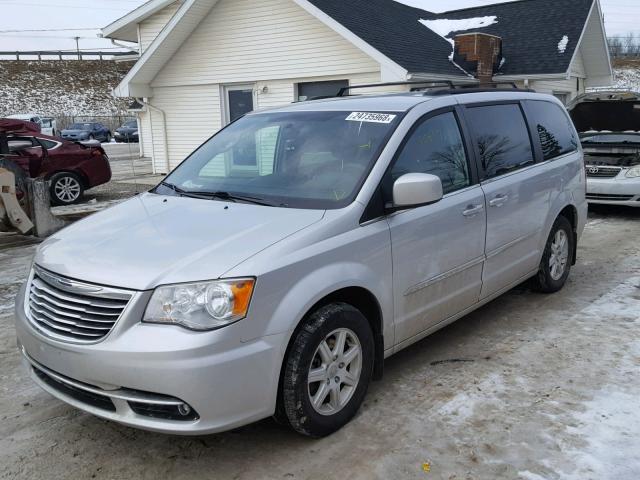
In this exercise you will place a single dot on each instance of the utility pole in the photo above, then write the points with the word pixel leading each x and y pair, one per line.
pixel 77 39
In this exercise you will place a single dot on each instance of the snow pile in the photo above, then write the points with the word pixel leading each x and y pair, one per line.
pixel 627 78
pixel 61 87
pixel 562 44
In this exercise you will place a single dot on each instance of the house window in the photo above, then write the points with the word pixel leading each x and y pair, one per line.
pixel 311 90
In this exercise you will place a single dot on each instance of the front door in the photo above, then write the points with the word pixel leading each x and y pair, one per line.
pixel 517 194
pixel 239 101
pixel 438 250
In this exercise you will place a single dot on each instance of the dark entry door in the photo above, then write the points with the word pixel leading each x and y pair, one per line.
pixel 240 102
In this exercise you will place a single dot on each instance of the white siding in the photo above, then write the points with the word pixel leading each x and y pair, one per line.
pixel 146 144
pixel 243 40
pixel 577 67
pixel 551 87
pixel 152 26
pixel 192 115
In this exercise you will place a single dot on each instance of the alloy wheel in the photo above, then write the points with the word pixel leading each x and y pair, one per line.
pixel 67 189
pixel 559 255
pixel 335 371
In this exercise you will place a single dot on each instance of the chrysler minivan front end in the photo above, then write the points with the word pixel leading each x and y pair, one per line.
pixel 166 312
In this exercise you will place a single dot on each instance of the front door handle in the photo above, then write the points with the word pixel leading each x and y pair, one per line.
pixel 472 210
pixel 499 200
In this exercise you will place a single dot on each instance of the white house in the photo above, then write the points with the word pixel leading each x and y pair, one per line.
pixel 204 63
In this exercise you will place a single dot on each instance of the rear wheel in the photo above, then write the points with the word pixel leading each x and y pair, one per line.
pixel 66 188
pixel 328 370
pixel 556 260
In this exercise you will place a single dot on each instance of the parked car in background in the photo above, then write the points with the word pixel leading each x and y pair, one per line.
pixel 29 117
pixel 87 131
pixel 49 126
pixel 609 126
pixel 276 267
pixel 128 132
pixel 71 167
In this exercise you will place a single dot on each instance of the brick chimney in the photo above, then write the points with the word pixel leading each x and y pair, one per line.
pixel 479 54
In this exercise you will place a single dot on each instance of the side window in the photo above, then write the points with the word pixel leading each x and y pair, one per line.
pixel 48 144
pixel 555 130
pixel 435 147
pixel 502 137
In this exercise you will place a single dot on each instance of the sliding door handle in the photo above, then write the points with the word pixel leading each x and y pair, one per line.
pixel 472 210
pixel 499 200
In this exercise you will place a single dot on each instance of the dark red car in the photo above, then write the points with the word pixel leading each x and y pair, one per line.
pixel 71 167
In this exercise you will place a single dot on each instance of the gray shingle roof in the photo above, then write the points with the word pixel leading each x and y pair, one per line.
pixel 530 31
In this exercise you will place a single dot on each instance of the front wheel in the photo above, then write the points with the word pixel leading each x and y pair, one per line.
pixel 556 260
pixel 66 188
pixel 328 370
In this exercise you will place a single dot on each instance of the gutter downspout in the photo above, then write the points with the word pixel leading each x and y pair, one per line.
pixel 164 131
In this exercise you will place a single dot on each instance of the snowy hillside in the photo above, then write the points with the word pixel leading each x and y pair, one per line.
pixel 61 87
pixel 628 78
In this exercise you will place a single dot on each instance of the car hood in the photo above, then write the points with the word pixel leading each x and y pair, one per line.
pixel 152 240
pixel 126 130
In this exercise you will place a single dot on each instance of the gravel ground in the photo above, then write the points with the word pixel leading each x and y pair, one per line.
pixel 528 387
pixel 126 167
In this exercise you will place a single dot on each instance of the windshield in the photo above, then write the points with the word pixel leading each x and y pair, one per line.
pixel 296 159
pixel 131 124
pixel 80 126
pixel 614 138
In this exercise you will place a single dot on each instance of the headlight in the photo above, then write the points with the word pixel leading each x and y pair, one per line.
pixel 633 172
pixel 135 134
pixel 202 305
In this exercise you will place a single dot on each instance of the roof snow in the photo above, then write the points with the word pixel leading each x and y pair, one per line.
pixel 449 6
pixel 444 27
pixel 562 44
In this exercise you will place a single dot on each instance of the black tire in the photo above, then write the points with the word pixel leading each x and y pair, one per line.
pixel 108 137
pixel 58 181
pixel 295 403
pixel 545 281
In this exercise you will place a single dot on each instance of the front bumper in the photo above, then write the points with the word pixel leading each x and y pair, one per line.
pixel 614 191
pixel 227 382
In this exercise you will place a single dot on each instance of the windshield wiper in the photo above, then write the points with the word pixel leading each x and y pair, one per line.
pixel 219 195
pixel 232 197
pixel 184 193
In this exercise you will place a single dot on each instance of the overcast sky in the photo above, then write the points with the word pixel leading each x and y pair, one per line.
pixel 621 16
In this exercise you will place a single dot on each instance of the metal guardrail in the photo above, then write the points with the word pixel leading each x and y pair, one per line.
pixel 62 54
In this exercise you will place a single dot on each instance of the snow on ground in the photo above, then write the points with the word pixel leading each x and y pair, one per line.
pixel 15 267
pixel 562 44
pixel 628 78
pixel 61 87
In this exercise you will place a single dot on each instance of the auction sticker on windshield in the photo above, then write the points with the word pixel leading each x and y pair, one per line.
pixel 371 117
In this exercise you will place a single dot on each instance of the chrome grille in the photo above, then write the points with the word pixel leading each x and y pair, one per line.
pixel 602 172
pixel 73 311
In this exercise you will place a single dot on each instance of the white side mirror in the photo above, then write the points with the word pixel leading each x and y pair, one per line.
pixel 415 189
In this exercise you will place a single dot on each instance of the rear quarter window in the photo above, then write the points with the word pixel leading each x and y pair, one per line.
pixel 554 128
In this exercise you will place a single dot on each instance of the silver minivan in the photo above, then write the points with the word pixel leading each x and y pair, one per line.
pixel 278 266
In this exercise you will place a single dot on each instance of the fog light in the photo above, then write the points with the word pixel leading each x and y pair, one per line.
pixel 184 409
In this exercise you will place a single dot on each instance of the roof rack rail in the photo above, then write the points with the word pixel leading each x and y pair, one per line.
pixel 484 88
pixel 425 85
